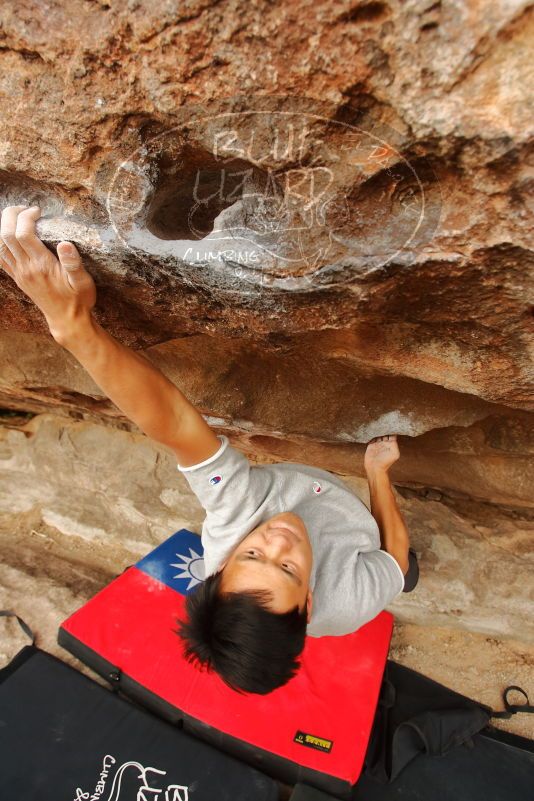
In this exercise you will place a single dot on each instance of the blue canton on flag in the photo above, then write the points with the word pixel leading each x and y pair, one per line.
pixel 178 562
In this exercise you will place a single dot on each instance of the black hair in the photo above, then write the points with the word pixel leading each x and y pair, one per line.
pixel 252 648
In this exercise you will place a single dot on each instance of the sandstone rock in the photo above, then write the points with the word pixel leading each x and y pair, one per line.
pixel 67 482
pixel 414 260
pixel 456 444
pixel 314 218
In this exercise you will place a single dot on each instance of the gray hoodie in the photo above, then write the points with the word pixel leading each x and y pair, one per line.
pixel 352 580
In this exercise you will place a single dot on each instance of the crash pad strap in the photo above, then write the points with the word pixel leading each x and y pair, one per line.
pixel 24 626
pixel 416 715
pixel 512 709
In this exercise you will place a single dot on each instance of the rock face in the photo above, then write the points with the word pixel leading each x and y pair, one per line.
pixel 66 483
pixel 315 218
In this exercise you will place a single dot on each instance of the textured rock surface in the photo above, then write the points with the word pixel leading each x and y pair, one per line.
pixel 67 482
pixel 434 289
pixel 316 219
pixel 71 518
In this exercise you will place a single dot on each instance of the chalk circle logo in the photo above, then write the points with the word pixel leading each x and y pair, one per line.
pixel 316 487
pixel 215 479
pixel 280 192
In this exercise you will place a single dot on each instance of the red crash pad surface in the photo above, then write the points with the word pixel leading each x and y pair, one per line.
pixel 131 623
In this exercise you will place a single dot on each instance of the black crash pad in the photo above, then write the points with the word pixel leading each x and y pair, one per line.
pixel 64 737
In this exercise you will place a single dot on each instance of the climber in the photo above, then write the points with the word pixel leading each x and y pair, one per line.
pixel 289 549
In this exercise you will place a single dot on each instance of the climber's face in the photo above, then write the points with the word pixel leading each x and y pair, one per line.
pixel 275 556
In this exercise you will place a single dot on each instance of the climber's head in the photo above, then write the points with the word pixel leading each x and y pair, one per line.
pixel 276 556
pixel 248 621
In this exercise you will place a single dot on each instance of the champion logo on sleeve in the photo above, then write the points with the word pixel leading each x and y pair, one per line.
pixel 214 479
pixel 316 487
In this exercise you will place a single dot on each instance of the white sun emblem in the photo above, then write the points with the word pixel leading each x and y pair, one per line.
pixel 192 568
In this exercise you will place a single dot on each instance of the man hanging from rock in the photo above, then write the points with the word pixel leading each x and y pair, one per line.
pixel 289 549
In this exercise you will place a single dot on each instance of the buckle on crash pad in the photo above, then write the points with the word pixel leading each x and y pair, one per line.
pixel 114 678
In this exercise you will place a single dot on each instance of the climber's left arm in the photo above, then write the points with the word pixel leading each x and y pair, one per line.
pixel 65 292
pixel 142 392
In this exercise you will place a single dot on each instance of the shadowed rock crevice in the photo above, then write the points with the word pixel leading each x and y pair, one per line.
pixel 372 11
pixel 187 201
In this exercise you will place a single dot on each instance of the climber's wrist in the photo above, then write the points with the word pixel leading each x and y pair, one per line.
pixel 377 473
pixel 70 331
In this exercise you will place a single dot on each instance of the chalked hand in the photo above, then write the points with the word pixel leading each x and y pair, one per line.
pixel 60 287
pixel 381 452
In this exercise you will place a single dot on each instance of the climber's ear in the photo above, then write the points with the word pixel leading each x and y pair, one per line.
pixel 309 604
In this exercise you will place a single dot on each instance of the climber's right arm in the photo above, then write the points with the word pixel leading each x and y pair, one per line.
pixel 380 454
pixel 65 293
